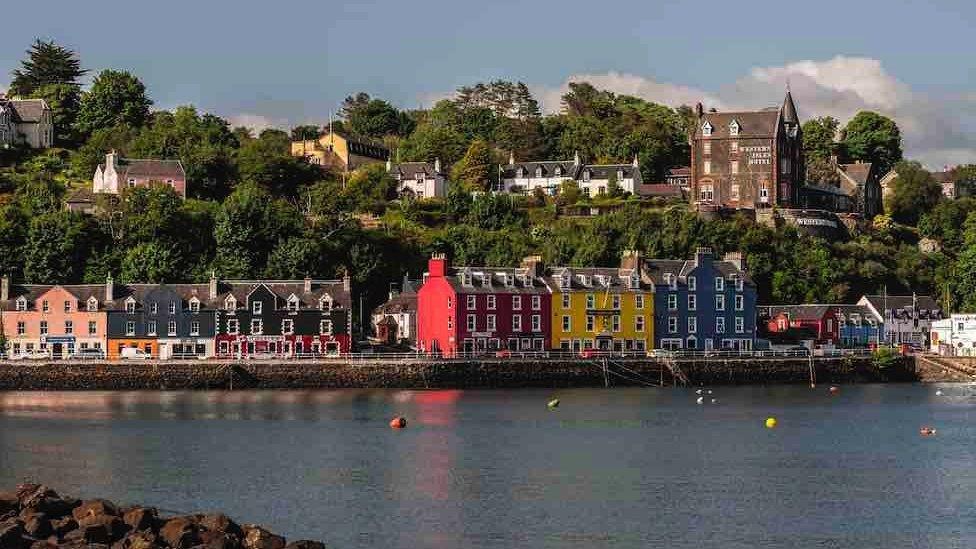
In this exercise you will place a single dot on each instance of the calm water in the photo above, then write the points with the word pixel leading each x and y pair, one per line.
pixel 475 469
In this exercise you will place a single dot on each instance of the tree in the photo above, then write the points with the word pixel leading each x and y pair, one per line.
pixel 369 188
pixel 116 98
pixel 305 131
pixel 267 161
pixel 249 224
pixel 152 263
pixel 46 63
pixel 475 171
pixel 64 101
pixel 823 171
pixel 569 193
pixel 819 137
pixel 371 117
pixel 871 137
pixel 54 251
pixel 914 192
pixel 429 142
pixel 583 99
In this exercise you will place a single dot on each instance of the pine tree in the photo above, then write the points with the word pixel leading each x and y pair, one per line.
pixel 474 170
pixel 46 63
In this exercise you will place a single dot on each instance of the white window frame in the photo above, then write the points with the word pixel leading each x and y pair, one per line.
pixel 536 323
pixel 257 307
pixel 287 326
pixel 639 323
pixel 195 328
pixel 491 302
pixel 740 303
pixel 516 303
pixel 472 302
pixel 472 323
pixel 672 324
pixel 130 328
pixel 672 302
pixel 719 284
pixel 491 323
pixel 719 302
pixel 325 326
pixel 257 326
pixel 720 325
pixel 692 302
pixel 740 325
pixel 171 328
pixel 151 328
pixel 516 323
pixel 537 303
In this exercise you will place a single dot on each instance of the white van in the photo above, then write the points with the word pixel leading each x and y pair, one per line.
pixel 134 353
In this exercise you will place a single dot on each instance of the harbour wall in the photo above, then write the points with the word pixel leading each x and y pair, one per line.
pixel 459 374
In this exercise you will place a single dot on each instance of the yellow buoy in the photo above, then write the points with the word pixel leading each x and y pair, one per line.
pixel 770 422
pixel 553 404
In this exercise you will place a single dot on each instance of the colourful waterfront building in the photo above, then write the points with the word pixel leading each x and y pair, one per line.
pixel 608 309
pixel 56 320
pixel 483 310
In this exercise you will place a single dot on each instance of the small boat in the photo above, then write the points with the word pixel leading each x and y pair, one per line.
pixel 927 431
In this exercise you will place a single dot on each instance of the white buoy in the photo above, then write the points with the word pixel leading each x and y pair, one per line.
pixel 698 392
pixel 709 391
pixel 714 401
pixel 938 393
pixel 700 400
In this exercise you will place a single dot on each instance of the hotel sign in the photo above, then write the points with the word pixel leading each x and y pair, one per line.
pixel 758 154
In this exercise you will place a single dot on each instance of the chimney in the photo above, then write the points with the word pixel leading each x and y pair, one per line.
pixel 702 255
pixel 631 260
pixel 308 285
pixel 347 282
pixel 213 285
pixel 576 158
pixel 111 159
pixel 4 288
pixel 437 266
pixel 437 166
pixel 511 158
pixel 533 265
pixel 636 162
pixel 389 165
pixel 699 110
pixel 834 159
pixel 109 289
pixel 735 258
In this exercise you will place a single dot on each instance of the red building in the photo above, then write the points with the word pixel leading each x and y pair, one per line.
pixel 481 310
pixel 820 320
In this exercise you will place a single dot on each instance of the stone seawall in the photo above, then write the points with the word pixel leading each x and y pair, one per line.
pixel 419 374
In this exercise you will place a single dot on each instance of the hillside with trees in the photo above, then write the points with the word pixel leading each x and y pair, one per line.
pixel 254 211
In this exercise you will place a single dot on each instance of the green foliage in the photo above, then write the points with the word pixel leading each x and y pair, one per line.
pixel 945 221
pixel 475 171
pixel 64 101
pixel 248 226
pixel 151 262
pixel 116 98
pixel 822 172
pixel 369 188
pixel 47 63
pixel 374 117
pixel 871 137
pixel 55 248
pixel 885 358
pixel 914 193
pixel 267 161
pixel 818 138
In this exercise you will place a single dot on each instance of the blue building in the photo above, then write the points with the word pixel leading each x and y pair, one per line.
pixel 859 327
pixel 703 303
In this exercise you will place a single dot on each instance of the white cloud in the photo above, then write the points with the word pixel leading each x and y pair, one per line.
pixel 935 130
pixel 255 122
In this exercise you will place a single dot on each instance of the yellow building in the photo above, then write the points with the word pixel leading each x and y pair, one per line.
pixel 338 151
pixel 608 309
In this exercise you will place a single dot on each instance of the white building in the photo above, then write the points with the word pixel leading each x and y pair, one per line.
pixel 907 318
pixel 419 179
pixel 27 122
pixel 548 175
pixel 954 336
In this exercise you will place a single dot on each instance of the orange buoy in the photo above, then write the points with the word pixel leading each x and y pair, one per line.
pixel 398 422
pixel 927 431
pixel 834 389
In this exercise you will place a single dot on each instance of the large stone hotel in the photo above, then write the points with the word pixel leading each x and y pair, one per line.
pixel 747 160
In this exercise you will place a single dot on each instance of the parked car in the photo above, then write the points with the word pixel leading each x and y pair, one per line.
pixel 88 354
pixel 33 354
pixel 134 353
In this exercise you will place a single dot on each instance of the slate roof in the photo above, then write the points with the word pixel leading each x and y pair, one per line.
pixel 496 282
pixel 407 170
pixel 798 312
pixel 149 168
pixel 569 169
pixel 751 124
pixel 683 171
pixel 858 172
pixel 901 305
pixel 283 289
pixel 658 268
pixel 847 311
pixel 594 279
pixel 659 189
pixel 33 292
pixel 28 110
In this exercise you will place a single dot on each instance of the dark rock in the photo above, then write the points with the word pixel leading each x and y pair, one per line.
pixel 91 533
pixel 63 526
pixel 38 526
pixel 256 537
pixel 7 516
pixel 8 503
pixel 211 539
pixel 94 507
pixel 219 522
pixel 12 534
pixel 115 529
pixel 41 499
pixel 180 533
pixel 138 540
pixel 44 544
pixel 305 544
pixel 141 518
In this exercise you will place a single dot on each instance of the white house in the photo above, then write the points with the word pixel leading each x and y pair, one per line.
pixel 954 336
pixel 548 175
pixel 420 179
pixel 118 173
pixel 907 318
pixel 26 121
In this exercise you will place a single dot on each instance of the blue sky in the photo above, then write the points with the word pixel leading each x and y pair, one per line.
pixel 285 62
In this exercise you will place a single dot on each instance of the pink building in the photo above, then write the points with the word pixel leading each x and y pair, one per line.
pixel 119 173
pixel 54 319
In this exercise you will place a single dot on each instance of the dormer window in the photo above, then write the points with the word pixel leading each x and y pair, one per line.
pixel 564 281
pixel 195 305
pixel 466 278
pixel 707 129
pixel 671 280
pixel 230 303
pixel 292 304
pixel 538 172
pixel 634 280
pixel 485 279
pixel 620 175
pixel 92 305
pixel 558 171
pixel 419 176
pixel 586 175
pixel 734 127
pixel 509 280
pixel 21 303
pixel 325 303
pixel 520 172
pixel 257 307
pixel 130 305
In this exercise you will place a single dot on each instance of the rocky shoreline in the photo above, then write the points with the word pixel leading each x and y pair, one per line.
pixel 36 517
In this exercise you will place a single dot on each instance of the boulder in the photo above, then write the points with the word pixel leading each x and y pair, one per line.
pixel 94 507
pixel 63 526
pixel 305 544
pixel 90 533
pixel 180 533
pixel 114 527
pixel 8 503
pixel 12 534
pixel 138 540
pixel 38 526
pixel 219 522
pixel 44 544
pixel 141 518
pixel 256 537
pixel 211 539
pixel 41 499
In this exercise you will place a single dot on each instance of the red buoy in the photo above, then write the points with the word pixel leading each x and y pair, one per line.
pixel 927 431
pixel 398 422
pixel 834 389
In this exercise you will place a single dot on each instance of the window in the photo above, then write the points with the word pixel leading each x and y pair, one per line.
pixel 707 147
pixel 671 280
pixel 558 171
pixel 491 302
pixel 719 284
pixel 257 306
pixel 616 301
pixel 764 194
pixel 92 327
pixel 230 304
pixel 257 326
pixel 287 326
pixel 92 305
pixel 692 324
pixel 707 166
pixel 130 328
pixel 590 301
pixel 151 328
pixel 132 182
pixel 153 308
pixel 450 323
pixel 536 323
pixel 516 303
pixel 21 304
pixel 692 303
pixel 734 128
pixel 706 193
pixel 615 323
pixel 67 306
pixel 738 283
pixel 69 327
pixel 719 302
pixel 565 301
pixel 130 306
pixel 672 324
pixel 491 323
pixel 45 307
pixel 734 146
pixel 639 323
pixel 734 192
pixel 21 328
pixel 472 301
pixel 720 325
pixel 692 284
pixel 472 323
pixel 739 303
pixel 325 303
pixel 171 328
pixel 450 302
pixel 567 323
pixel 233 326
pixel 516 323
pixel 672 302
pixel 538 172
pixel 325 327
pixel 639 301
pixel 194 306
pixel 586 175
pixel 520 172
pixel 620 175
pixel 43 327
pixel 740 325
pixel 707 129
pixel 172 307
pixel 419 176
pixel 537 303
pixel 590 323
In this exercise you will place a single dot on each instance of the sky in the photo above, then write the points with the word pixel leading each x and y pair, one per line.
pixel 270 64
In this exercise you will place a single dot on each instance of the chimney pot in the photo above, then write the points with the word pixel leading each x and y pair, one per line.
pixel 4 288
pixel 213 285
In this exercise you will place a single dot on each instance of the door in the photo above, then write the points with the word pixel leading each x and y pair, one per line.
pixel 708 344
pixel 56 350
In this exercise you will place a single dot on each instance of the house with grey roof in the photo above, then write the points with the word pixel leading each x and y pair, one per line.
pixel 25 122
pixel 419 179
pixel 907 318
pixel 548 175
pixel 118 174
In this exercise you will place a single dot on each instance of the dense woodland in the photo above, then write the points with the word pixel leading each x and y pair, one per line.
pixel 255 211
